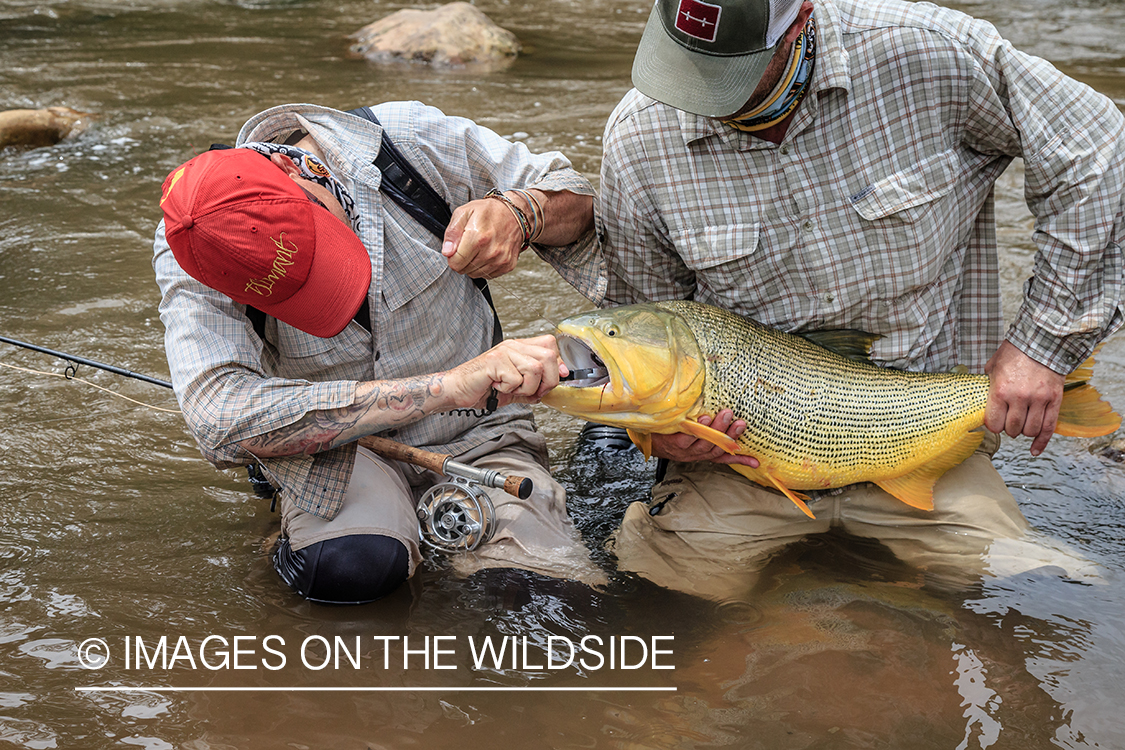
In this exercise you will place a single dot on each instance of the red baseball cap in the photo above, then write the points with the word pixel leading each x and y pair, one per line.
pixel 239 224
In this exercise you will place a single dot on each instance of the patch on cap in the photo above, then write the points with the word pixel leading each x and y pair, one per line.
pixel 698 19
pixel 707 56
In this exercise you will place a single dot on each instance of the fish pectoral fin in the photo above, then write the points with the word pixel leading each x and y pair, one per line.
pixel 642 440
pixel 710 434
pixel 916 489
pixel 767 479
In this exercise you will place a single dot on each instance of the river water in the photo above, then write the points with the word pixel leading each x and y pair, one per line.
pixel 115 528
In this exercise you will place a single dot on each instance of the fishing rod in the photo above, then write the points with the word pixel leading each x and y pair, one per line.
pixel 89 362
pixel 452 516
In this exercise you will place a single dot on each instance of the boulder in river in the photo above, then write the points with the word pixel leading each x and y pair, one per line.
pixel 32 128
pixel 453 35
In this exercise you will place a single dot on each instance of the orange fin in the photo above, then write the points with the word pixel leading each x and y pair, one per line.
pixel 710 434
pixel 642 440
pixel 1082 412
pixel 762 477
pixel 916 489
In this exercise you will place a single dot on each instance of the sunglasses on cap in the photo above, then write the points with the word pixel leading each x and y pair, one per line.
pixel 311 197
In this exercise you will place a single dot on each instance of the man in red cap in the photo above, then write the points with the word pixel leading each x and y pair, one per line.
pixel 825 164
pixel 305 309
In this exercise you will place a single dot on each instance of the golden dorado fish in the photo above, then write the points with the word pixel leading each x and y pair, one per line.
pixel 816 419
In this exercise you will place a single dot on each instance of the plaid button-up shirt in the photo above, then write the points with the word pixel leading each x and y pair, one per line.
pixel 876 211
pixel 424 317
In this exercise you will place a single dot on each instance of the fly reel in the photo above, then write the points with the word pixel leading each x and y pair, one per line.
pixel 456 516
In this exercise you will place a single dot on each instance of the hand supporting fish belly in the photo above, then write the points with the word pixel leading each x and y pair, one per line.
pixel 818 414
pixel 685 448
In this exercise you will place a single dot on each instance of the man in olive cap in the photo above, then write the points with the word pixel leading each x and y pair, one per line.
pixel 831 164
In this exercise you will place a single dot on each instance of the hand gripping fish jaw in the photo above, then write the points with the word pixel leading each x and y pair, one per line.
pixel 454 516
pixel 586 368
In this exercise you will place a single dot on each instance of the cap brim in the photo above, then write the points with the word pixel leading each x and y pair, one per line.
pixel 337 283
pixel 707 85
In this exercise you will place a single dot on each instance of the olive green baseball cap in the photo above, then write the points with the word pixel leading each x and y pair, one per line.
pixel 707 56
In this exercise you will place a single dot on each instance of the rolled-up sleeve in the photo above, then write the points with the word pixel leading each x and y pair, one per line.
pixel 483 160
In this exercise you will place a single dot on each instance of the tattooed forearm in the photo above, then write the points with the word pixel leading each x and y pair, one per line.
pixel 379 405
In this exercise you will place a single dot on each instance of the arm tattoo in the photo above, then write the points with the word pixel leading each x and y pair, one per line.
pixel 379 405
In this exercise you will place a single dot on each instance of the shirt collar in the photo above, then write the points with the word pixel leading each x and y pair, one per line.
pixel 348 143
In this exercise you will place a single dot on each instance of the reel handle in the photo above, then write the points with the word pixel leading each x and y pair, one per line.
pixel 518 486
pixel 443 463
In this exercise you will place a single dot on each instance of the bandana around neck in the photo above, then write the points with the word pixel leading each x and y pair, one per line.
pixel 313 169
pixel 790 90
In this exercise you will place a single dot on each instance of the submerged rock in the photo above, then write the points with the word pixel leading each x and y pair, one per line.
pixel 32 128
pixel 454 35
pixel 1114 450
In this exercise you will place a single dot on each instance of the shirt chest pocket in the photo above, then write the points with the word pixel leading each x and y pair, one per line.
pixel 407 276
pixel 734 265
pixel 307 357
pixel 910 224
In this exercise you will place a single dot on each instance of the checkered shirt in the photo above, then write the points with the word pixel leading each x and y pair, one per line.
pixel 424 317
pixel 876 212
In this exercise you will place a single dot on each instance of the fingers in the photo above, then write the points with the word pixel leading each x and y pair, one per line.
pixel 452 239
pixel 1023 397
pixel 520 370
pixel 483 240
pixel 687 448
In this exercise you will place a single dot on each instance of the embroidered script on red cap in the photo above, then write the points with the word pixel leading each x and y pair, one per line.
pixel 284 258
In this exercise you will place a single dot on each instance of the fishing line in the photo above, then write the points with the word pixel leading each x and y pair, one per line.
pixel 73 362
pixel 69 376
pixel 490 282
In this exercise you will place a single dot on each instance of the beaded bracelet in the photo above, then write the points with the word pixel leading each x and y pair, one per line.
pixel 536 212
pixel 521 219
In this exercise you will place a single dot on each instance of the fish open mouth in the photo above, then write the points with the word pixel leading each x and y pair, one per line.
pixel 586 368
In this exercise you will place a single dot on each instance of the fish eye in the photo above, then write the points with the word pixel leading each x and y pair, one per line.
pixel 611 329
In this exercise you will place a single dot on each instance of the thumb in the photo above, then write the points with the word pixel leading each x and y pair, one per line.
pixel 454 231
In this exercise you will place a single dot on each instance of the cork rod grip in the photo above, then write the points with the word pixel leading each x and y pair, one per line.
pixel 435 462
pixel 440 463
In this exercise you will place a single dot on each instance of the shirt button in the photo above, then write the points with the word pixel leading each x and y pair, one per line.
pixel 784 150
pixel 808 225
pixel 829 298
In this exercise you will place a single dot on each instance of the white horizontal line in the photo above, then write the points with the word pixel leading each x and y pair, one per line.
pixel 499 688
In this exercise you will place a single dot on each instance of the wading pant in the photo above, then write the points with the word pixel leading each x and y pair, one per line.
pixel 373 544
pixel 717 529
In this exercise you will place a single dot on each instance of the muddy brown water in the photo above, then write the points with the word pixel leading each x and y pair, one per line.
pixel 115 529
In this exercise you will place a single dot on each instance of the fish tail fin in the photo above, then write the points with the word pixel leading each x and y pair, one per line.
pixel 916 488
pixel 1082 412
